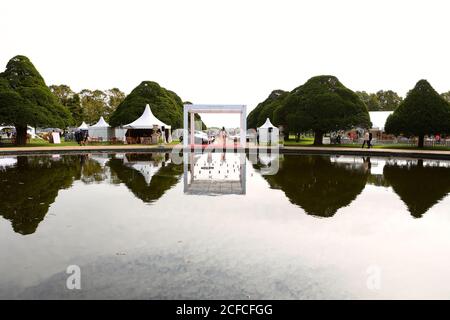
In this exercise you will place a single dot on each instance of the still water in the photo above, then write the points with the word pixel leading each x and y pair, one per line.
pixel 144 226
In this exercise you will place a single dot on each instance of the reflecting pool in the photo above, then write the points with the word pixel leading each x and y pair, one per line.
pixel 224 225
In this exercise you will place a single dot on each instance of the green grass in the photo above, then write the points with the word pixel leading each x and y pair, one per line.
pixel 44 143
pixel 308 142
pixel 40 143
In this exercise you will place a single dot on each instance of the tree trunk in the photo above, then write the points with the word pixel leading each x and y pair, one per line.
pixel 421 141
pixel 21 135
pixel 318 137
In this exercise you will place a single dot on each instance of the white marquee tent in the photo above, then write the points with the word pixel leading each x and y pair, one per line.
pixel 100 130
pixel 268 133
pixel 83 126
pixel 148 121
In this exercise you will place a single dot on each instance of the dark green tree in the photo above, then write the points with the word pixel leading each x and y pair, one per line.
pixel 321 105
pixel 165 105
pixel 25 99
pixel 266 109
pixel 70 100
pixel 422 112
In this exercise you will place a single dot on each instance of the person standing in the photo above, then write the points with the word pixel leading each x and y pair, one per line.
pixel 366 140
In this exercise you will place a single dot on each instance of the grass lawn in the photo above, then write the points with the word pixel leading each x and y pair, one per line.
pixel 308 142
pixel 44 143
pixel 40 143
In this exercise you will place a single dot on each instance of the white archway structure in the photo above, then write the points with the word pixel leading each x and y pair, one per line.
pixel 192 109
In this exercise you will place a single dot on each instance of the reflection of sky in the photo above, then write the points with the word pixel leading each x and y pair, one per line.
pixel 271 246
pixel 7 162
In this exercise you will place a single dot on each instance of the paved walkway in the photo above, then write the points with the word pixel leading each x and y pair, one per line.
pixel 435 154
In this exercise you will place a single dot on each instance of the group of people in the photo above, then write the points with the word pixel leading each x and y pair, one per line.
pixel 81 137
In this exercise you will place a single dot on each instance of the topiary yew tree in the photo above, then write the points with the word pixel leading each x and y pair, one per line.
pixel 266 109
pixel 422 112
pixel 25 99
pixel 321 105
pixel 165 105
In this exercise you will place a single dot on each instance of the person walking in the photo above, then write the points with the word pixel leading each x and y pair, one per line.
pixel 370 140
pixel 366 140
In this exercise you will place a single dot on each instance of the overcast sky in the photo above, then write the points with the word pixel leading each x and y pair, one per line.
pixel 230 51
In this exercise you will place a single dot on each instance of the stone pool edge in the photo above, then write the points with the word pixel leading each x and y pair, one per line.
pixel 397 153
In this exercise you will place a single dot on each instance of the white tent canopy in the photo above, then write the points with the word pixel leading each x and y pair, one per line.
pixel 101 130
pixel 100 124
pixel 267 125
pixel 83 126
pixel 146 121
pixel 268 133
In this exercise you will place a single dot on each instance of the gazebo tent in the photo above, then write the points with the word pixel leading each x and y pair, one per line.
pixel 100 130
pixel 83 126
pixel 146 124
pixel 268 133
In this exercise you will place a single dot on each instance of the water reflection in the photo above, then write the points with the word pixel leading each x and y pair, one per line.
pixel 320 185
pixel 148 176
pixel 420 184
pixel 30 185
pixel 214 173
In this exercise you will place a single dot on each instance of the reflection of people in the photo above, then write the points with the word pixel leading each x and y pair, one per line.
pixel 367 164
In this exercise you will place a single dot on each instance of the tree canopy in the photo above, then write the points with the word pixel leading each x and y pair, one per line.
pixel 88 105
pixel 71 100
pixel 25 99
pixel 383 100
pixel 322 104
pixel 422 112
pixel 266 109
pixel 165 105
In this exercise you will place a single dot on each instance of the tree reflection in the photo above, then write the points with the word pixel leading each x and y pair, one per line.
pixel 147 188
pixel 419 186
pixel 91 170
pixel 318 185
pixel 31 186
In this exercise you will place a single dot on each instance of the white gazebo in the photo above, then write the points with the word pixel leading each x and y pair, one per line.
pixel 100 130
pixel 83 126
pixel 148 121
pixel 268 133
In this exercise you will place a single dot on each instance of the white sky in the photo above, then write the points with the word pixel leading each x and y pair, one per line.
pixel 235 52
